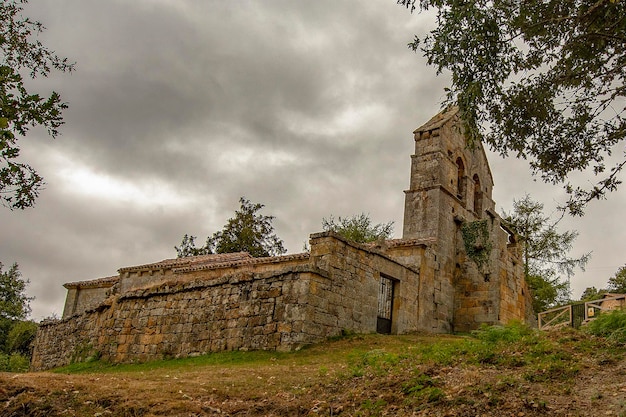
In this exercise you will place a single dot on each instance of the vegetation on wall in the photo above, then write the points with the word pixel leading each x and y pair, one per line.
pixel 476 241
pixel 358 228
pixel 248 231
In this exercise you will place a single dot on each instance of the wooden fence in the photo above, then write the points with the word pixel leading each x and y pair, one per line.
pixel 576 314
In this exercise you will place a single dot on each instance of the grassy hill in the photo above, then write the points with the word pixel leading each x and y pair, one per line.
pixel 510 371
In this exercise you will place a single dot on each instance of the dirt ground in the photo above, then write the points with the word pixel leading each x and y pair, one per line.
pixel 324 384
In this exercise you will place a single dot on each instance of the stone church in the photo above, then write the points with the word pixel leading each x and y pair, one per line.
pixel 456 267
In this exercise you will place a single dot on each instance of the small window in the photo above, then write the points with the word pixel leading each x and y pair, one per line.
pixel 478 196
pixel 459 178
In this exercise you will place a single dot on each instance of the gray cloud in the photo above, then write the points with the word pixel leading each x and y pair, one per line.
pixel 178 108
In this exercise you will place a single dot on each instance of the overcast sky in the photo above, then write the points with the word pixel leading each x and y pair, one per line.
pixel 179 107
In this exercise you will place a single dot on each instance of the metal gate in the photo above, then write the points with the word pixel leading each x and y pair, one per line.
pixel 385 305
pixel 571 315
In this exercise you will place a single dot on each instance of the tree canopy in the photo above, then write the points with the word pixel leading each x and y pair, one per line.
pixel 20 109
pixel 592 293
pixel 543 80
pixel 188 248
pixel 248 231
pixel 14 304
pixel 358 228
pixel 545 253
pixel 617 283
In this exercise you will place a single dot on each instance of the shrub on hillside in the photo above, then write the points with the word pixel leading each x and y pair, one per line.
pixel 512 332
pixel 14 362
pixel 21 336
pixel 611 325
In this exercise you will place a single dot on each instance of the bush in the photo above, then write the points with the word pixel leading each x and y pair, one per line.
pixel 14 363
pixel 21 336
pixel 512 332
pixel 611 325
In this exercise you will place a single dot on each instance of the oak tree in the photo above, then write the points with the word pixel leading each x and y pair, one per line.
pixel 617 283
pixel 14 303
pixel 542 80
pixel 592 293
pixel 248 231
pixel 22 55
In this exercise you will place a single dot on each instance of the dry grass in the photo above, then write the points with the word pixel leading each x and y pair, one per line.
pixel 565 373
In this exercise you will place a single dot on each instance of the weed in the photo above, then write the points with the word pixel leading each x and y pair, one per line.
pixel 85 352
pixel 506 383
pixel 552 371
pixel 611 325
pixel 377 361
pixel 424 389
pixel 444 353
pixel 373 408
pixel 417 384
pixel 512 332
pixel 219 358
pixel 345 334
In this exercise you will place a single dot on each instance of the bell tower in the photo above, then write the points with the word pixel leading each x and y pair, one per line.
pixel 477 275
pixel 448 179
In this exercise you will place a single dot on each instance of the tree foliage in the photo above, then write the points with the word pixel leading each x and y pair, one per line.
pixel 21 336
pixel 188 248
pixel 617 283
pixel 543 80
pixel 358 228
pixel 592 293
pixel 545 253
pixel 14 304
pixel 20 109
pixel 248 231
pixel 548 291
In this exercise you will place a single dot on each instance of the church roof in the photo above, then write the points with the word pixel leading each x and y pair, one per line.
pixel 189 261
pixel 94 283
pixel 447 116
pixel 438 120
pixel 242 262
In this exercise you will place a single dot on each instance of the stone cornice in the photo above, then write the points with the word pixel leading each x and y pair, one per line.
pixel 105 282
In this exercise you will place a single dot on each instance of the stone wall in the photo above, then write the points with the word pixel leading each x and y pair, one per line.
pixel 82 296
pixel 270 306
pixel 349 298
pixel 239 311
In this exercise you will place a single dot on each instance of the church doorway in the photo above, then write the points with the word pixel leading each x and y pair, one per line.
pixel 385 305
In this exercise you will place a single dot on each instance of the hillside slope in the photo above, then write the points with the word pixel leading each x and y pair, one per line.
pixel 502 372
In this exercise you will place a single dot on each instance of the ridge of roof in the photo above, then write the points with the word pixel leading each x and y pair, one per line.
pixel 438 120
pixel 188 261
pixel 411 242
pixel 93 283
pixel 243 262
